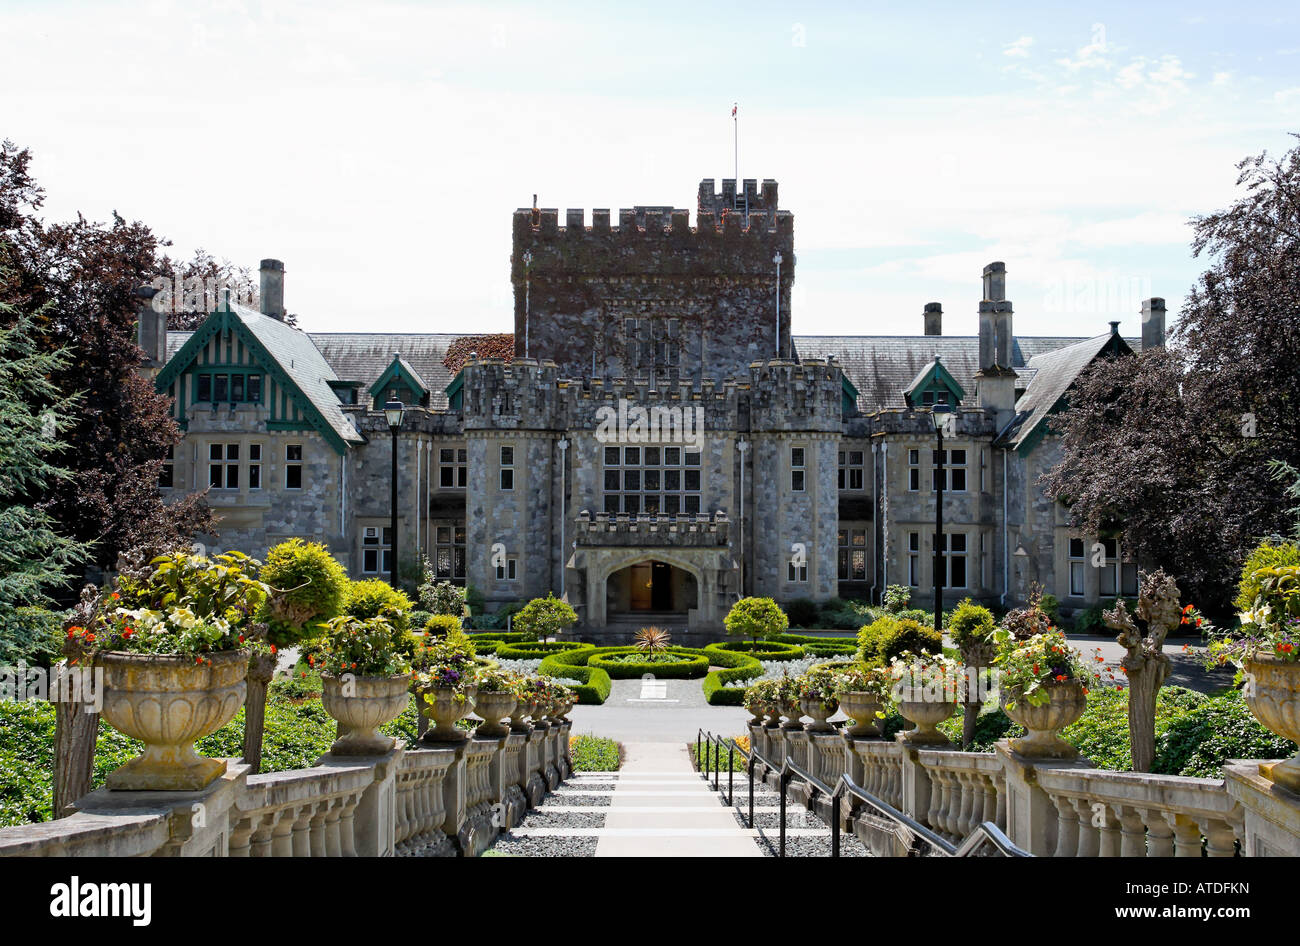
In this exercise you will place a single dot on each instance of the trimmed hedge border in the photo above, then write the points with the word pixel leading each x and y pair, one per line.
pixel 764 650
pixel 810 639
pixel 830 649
pixel 694 663
pixel 538 650
pixel 572 665
pixel 736 666
pixel 505 637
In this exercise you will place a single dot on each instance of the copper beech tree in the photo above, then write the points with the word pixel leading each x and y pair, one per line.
pixel 1171 450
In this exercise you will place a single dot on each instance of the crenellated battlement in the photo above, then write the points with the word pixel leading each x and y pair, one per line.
pixel 748 198
pixel 796 395
pixel 652 240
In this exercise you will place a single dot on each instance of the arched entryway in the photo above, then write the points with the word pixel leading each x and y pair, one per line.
pixel 651 588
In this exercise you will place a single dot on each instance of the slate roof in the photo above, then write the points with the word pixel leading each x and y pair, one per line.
pixel 882 366
pixel 300 359
pixel 1054 371
pixel 364 356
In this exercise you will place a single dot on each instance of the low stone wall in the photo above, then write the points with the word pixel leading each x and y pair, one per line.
pixel 420 800
pixel 1049 808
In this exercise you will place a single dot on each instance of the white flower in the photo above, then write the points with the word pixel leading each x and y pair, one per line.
pixel 183 618
pixel 1258 616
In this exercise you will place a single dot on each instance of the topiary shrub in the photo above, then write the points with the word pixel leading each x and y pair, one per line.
pixel 755 618
pixel 536 650
pixel 889 637
pixel 970 625
pixel 310 587
pixel 735 667
pixel 545 617
pixel 624 663
pixel 375 598
pixel 919 615
pixel 802 612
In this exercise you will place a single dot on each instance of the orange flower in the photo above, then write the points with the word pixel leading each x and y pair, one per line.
pixel 273 650
pixel 115 596
pixel 1061 678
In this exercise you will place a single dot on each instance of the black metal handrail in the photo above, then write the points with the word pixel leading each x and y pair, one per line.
pixel 716 744
pixel 984 833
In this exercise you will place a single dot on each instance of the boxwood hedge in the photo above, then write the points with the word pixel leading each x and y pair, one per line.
pixel 538 650
pixel 694 663
pixel 594 683
pixel 764 650
pixel 735 667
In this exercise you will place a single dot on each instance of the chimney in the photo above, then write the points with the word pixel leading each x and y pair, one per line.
pixel 1114 328
pixel 996 381
pixel 1153 323
pixel 933 318
pixel 272 288
pixel 996 337
pixel 151 330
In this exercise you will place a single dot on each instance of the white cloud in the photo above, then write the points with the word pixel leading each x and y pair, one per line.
pixel 1019 48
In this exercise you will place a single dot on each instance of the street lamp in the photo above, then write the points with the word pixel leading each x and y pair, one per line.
pixel 564 469
pixel 939 414
pixel 777 259
pixel 393 411
pixel 742 446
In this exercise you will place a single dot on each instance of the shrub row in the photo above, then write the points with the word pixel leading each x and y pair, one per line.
pixel 810 639
pixel 830 649
pixel 763 650
pixel 594 683
pixel 537 650
pixel 736 666
pixel 693 663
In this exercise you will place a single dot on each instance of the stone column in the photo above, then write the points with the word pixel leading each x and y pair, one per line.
pixel 1272 813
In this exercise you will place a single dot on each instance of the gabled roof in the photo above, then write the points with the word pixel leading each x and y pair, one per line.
pixel 285 352
pixel 931 376
pixel 364 356
pixel 1054 373
pixel 400 368
pixel 882 367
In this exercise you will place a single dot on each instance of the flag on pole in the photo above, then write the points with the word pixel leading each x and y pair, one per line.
pixel 733 111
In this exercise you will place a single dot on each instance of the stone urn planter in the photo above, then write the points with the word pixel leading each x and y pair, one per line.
pixel 441 705
pixel 756 711
pixel 861 708
pixel 167 702
pixel 793 714
pixel 925 715
pixel 540 710
pixel 1066 703
pixel 560 710
pixel 492 708
pixel 1273 694
pixel 773 714
pixel 519 716
pixel 819 711
pixel 361 705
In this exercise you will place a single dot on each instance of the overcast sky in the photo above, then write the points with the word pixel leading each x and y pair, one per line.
pixel 379 148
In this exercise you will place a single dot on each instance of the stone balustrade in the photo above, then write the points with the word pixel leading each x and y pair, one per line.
pixel 1049 808
pixel 418 800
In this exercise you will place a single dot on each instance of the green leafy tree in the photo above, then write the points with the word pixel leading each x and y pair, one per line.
pixel 34 557
pixel 374 598
pixel 971 627
pixel 545 617
pixel 756 618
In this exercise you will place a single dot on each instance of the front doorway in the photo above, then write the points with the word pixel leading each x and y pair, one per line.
pixel 651 588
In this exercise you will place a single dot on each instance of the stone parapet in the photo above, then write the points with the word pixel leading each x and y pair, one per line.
pixel 1048 808
pixel 426 801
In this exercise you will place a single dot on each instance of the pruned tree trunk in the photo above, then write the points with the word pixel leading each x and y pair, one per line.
pixel 1145 664
pixel 979 656
pixel 76 724
pixel 261 668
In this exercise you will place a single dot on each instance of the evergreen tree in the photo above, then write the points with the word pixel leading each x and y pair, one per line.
pixel 34 557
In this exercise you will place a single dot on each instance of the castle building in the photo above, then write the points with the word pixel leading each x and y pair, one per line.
pixel 652 441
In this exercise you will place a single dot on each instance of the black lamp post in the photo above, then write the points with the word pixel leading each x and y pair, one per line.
pixel 939 414
pixel 393 411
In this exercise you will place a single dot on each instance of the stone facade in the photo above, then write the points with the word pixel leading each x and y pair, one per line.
pixel 660 444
